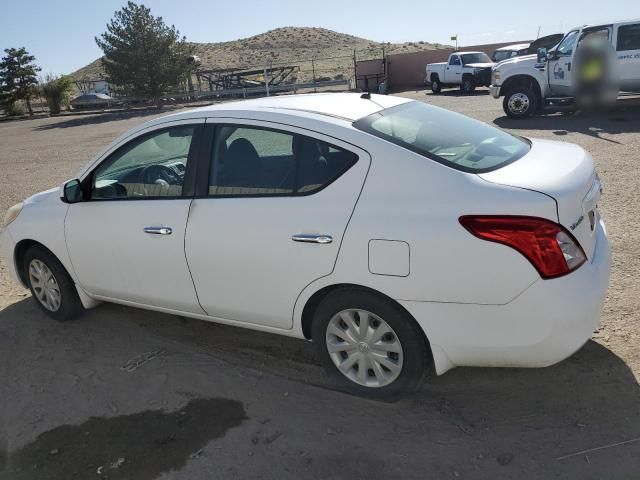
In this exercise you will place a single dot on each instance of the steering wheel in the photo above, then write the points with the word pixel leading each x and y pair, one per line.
pixel 158 175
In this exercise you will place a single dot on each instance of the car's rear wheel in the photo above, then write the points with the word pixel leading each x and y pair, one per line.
pixel 520 102
pixel 50 284
pixel 369 345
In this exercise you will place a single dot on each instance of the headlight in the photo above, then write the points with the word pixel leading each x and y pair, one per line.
pixel 12 214
pixel 495 76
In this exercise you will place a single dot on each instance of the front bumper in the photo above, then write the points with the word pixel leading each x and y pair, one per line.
pixel 494 90
pixel 7 248
pixel 545 324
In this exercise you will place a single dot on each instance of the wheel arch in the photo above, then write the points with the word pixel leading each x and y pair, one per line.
pixel 19 253
pixel 521 80
pixel 314 300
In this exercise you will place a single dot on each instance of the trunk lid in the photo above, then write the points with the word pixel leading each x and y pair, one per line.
pixel 566 173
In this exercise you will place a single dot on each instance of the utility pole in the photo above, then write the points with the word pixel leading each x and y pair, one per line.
pixel 266 81
pixel 313 72
pixel 355 71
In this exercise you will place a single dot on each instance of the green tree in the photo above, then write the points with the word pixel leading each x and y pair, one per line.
pixel 142 55
pixel 56 91
pixel 18 77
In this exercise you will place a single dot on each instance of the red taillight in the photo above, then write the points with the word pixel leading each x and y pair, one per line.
pixel 549 247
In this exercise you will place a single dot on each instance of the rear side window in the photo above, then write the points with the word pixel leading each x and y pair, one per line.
pixel 628 37
pixel 254 161
pixel 446 137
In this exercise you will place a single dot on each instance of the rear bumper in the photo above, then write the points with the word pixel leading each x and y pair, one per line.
pixel 494 90
pixel 545 324
pixel 7 247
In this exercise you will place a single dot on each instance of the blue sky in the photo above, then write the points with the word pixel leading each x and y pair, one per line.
pixel 61 33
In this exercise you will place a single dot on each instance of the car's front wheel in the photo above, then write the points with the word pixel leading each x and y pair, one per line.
pixel 468 85
pixel 369 345
pixel 50 284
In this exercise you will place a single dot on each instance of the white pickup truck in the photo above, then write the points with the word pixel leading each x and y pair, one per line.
pixel 529 83
pixel 466 69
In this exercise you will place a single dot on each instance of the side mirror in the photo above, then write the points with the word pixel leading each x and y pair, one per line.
pixel 542 55
pixel 72 192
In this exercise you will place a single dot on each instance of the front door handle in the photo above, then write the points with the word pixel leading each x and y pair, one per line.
pixel 312 238
pixel 158 230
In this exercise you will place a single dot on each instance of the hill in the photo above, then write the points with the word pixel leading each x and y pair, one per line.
pixel 288 45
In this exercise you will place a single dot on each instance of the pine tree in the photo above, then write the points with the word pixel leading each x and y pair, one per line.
pixel 18 78
pixel 142 55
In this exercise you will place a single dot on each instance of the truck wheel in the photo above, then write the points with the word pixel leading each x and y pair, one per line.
pixel 520 102
pixel 436 86
pixel 468 85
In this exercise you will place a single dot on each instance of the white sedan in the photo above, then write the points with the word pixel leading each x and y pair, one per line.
pixel 392 233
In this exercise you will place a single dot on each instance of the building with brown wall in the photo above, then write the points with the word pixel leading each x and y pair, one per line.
pixel 407 70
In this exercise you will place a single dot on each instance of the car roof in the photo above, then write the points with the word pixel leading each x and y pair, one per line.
pixel 464 52
pixel 346 106
pixel 604 24
pixel 333 109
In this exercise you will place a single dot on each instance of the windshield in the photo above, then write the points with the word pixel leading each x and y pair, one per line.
pixel 503 55
pixel 446 137
pixel 468 58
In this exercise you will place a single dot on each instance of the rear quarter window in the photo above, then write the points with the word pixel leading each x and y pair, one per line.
pixel 446 137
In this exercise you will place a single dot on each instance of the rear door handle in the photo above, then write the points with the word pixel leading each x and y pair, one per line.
pixel 158 230
pixel 312 238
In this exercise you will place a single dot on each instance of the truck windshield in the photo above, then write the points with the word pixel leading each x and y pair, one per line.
pixel 445 137
pixel 468 58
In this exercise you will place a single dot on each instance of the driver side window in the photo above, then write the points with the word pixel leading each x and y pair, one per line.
pixel 454 60
pixel 151 166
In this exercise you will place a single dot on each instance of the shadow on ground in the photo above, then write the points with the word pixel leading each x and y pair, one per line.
pixel 96 119
pixel 624 117
pixel 459 93
pixel 479 422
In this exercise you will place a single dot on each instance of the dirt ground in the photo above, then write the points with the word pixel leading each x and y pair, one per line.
pixel 129 394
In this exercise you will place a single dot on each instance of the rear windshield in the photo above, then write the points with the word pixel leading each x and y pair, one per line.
pixel 468 58
pixel 446 137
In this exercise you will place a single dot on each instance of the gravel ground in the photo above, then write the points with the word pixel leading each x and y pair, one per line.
pixel 124 393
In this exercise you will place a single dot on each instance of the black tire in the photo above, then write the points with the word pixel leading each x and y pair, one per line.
pixel 436 86
pixel 70 305
pixel 416 355
pixel 468 85
pixel 520 102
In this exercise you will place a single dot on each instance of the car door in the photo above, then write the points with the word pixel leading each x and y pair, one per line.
pixel 453 70
pixel 559 69
pixel 126 239
pixel 628 51
pixel 269 217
